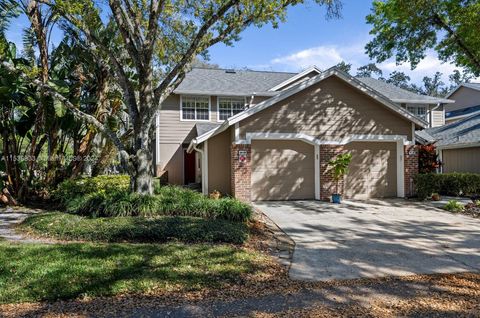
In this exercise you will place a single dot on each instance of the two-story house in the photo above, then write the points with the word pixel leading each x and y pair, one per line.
pixel 268 135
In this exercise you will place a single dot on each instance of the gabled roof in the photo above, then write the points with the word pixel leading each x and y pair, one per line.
pixel 400 95
pixel 464 112
pixel 461 132
pixel 312 69
pixel 302 86
pixel 475 86
pixel 204 81
pixel 202 128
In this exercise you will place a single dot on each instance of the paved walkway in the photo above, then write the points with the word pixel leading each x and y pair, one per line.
pixel 9 218
pixel 375 239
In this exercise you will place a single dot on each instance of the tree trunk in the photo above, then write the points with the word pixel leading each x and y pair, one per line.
pixel 142 177
pixel 141 172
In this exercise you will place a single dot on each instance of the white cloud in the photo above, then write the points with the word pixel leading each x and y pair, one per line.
pixel 325 56
pixel 321 56
pixel 427 67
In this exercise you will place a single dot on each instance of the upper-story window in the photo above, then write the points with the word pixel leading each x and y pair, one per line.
pixel 229 106
pixel 419 111
pixel 195 108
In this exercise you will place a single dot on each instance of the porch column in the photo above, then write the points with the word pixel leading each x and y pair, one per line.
pixel 241 171
pixel 411 168
pixel 327 184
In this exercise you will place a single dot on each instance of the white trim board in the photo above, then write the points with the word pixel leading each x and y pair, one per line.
pixel 314 141
pixel 157 139
pixel 296 77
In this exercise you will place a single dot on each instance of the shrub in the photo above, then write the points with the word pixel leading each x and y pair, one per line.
pixel 102 198
pixel 72 188
pixel 454 206
pixel 455 184
pixel 428 159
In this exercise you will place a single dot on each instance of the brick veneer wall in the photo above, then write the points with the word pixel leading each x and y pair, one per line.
pixel 241 173
pixel 411 168
pixel 327 185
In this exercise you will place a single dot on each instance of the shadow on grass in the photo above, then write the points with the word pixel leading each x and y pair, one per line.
pixel 37 272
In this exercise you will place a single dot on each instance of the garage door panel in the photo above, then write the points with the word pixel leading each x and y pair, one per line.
pixel 372 172
pixel 282 170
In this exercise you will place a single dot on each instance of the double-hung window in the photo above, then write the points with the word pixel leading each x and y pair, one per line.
pixel 229 106
pixel 195 108
pixel 419 111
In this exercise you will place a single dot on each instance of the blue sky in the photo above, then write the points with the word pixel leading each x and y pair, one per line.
pixel 305 39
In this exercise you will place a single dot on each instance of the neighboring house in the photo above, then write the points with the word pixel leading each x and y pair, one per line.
pixel 429 108
pixel 269 135
pixel 467 102
pixel 458 144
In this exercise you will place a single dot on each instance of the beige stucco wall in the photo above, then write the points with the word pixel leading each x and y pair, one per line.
pixel 461 160
pixel 219 170
pixel 463 97
pixel 329 110
pixel 171 156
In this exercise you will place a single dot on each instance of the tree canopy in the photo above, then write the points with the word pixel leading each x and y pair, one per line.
pixel 407 29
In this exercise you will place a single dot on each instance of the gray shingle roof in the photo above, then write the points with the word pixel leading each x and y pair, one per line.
pixel 463 112
pixel 399 95
pixel 239 83
pixel 472 85
pixel 204 127
pixel 461 132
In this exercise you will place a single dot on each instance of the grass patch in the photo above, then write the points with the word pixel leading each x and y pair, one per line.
pixel 135 229
pixel 35 272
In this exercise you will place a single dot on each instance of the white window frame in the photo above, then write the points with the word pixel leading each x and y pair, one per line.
pixel 218 105
pixel 195 96
pixel 416 113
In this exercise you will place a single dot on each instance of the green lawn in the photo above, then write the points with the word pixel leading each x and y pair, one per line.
pixel 34 272
pixel 135 229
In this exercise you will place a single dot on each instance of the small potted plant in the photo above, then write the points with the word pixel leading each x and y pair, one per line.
pixel 436 197
pixel 215 195
pixel 339 167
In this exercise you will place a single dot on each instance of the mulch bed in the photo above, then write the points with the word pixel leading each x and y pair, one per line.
pixel 471 209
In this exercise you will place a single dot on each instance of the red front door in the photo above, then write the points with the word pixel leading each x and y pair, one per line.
pixel 189 167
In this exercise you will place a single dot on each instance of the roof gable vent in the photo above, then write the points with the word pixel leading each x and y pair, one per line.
pixel 230 71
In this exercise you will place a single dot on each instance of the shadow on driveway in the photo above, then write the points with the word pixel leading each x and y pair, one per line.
pixel 375 239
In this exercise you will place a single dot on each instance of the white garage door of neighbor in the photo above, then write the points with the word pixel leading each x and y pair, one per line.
pixel 373 170
pixel 282 170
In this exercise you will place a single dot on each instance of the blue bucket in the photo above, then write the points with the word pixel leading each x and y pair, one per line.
pixel 336 198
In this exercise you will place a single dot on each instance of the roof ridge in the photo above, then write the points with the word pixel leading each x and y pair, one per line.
pixel 241 70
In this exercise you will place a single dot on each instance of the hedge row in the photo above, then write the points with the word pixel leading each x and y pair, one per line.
pixel 455 184
pixel 108 196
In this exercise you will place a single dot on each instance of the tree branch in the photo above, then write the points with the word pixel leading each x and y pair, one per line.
pixel 437 19
pixel 192 50
pixel 76 112
pixel 132 39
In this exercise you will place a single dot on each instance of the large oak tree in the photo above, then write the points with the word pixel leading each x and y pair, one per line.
pixel 407 29
pixel 150 46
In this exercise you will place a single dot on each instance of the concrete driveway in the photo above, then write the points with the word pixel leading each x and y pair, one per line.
pixel 375 239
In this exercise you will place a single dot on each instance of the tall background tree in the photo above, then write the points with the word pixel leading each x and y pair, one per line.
pixel 407 29
pixel 150 45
